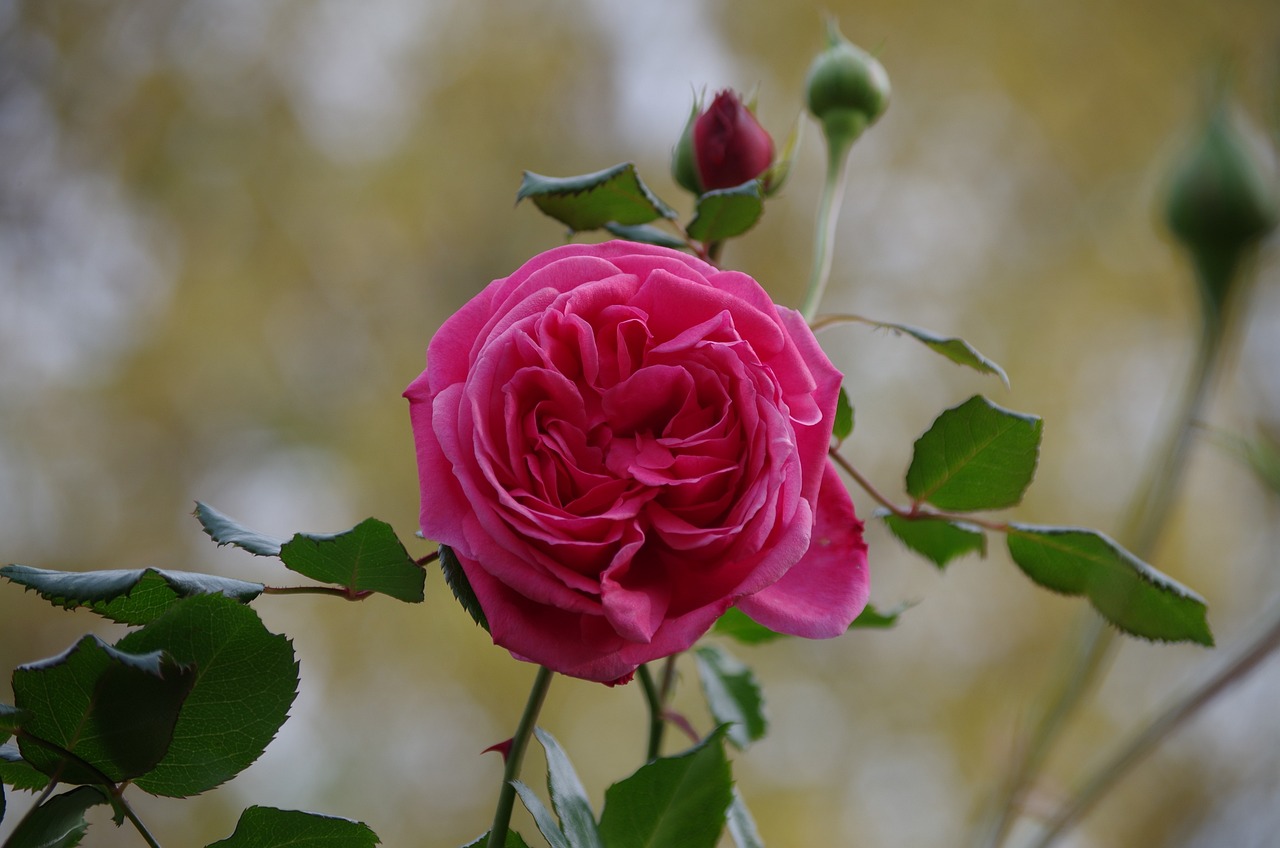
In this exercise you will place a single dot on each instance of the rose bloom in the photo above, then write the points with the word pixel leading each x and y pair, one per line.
pixel 619 442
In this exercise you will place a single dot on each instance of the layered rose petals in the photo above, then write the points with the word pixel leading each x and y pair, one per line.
pixel 619 442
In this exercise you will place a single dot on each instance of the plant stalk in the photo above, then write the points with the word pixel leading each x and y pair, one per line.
pixel 515 758
pixel 825 231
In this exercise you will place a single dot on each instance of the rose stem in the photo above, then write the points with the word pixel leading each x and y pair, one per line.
pixel 1148 511
pixel 656 722
pixel 515 757
pixel 825 230
pixel 1245 659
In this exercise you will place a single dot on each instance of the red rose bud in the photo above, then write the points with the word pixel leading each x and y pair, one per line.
pixel 730 147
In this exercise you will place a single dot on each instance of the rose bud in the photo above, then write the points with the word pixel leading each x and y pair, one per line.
pixel 618 443
pixel 847 89
pixel 1223 199
pixel 729 145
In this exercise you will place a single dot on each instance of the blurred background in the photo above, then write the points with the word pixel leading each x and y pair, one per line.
pixel 228 231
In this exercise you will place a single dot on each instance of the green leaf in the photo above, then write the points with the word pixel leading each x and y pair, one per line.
pixel 267 827
pixel 226 531
pixel 542 817
pixel 1122 588
pixel 458 583
pixel 126 596
pixel 873 619
pixel 11 719
pixel 591 201
pixel 58 822
pixel 99 714
pixel 246 679
pixel 646 234
pixel 514 840
pixel 936 539
pixel 957 350
pixel 976 456
pixel 680 800
pixel 737 625
pixel 726 212
pixel 17 772
pixel 568 796
pixel 842 428
pixel 742 827
pixel 367 558
pixel 733 695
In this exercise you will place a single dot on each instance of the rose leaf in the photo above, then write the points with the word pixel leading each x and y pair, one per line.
pixel 726 212
pixel 461 586
pixel 957 350
pixel 126 596
pixel 98 714
pixel 975 456
pixel 936 539
pixel 268 827
pixel 514 840
pixel 590 201
pixel 646 234
pixel 246 680
pixel 742 827
pixel 842 428
pixel 58 822
pixel 17 772
pixel 680 800
pixel 733 695
pixel 1126 591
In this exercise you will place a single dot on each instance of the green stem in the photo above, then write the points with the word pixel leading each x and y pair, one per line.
pixel 656 722
pixel 825 231
pixel 137 822
pixel 515 757
pixel 1243 661
pixel 1146 519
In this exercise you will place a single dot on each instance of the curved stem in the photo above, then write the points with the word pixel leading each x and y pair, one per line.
pixel 656 721
pixel 1146 519
pixel 515 758
pixel 1244 660
pixel 825 231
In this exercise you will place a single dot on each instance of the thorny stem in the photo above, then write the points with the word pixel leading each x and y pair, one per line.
pixel 515 757
pixel 340 591
pixel 1148 513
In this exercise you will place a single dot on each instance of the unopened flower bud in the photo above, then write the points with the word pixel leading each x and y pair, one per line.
pixel 729 145
pixel 847 89
pixel 1223 199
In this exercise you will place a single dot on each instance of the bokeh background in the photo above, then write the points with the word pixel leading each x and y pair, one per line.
pixel 228 231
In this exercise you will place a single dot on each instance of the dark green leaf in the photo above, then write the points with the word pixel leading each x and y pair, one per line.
pixel 957 350
pixel 367 558
pixel 225 531
pixel 975 456
pixel 646 234
pixel 246 678
pixel 514 840
pixel 568 796
pixel 726 212
pixel 460 586
pixel 737 625
pixel 1125 590
pixel 267 827
pixel 58 822
pixel 843 425
pixel 732 694
pixel 126 596
pixel 680 800
pixel 742 827
pixel 542 817
pixel 590 201
pixel 936 539
pixel 17 772
pixel 873 619
pixel 99 714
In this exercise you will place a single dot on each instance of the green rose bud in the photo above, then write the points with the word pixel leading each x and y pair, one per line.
pixel 1222 200
pixel 847 89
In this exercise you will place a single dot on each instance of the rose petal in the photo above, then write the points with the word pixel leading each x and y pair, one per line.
pixel 826 590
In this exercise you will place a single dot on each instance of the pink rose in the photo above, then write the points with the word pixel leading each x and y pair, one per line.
pixel 619 442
